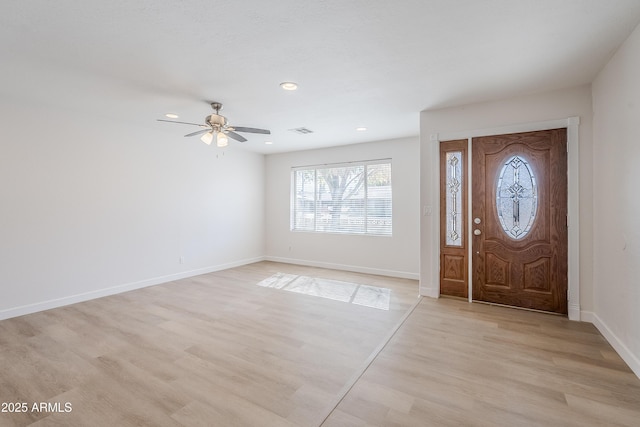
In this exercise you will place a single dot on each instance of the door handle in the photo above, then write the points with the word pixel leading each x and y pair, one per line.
pixel 477 232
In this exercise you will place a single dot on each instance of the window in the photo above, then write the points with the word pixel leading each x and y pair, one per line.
pixel 352 198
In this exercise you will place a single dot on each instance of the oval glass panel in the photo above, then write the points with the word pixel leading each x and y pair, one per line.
pixel 516 197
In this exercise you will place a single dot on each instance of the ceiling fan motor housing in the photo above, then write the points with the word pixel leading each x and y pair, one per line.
pixel 216 121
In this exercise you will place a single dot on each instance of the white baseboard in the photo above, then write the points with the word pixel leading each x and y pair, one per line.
pixel 574 312
pixel 631 359
pixel 428 291
pixel 118 289
pixel 344 267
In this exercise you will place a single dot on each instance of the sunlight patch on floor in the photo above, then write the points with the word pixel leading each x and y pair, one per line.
pixel 365 295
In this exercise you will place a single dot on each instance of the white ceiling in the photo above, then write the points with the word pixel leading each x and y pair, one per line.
pixel 370 63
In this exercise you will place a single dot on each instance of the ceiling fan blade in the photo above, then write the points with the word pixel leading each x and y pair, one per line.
pixel 198 132
pixel 251 130
pixel 235 136
pixel 184 123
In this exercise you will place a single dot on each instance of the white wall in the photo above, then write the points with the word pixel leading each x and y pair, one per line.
pixel 541 107
pixel 616 106
pixel 396 256
pixel 91 207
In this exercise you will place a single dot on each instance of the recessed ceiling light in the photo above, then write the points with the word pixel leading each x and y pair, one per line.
pixel 289 85
pixel 171 115
pixel 361 129
pixel 268 142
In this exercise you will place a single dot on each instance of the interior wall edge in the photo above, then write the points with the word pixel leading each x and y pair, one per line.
pixel 345 267
pixel 118 289
pixel 632 360
pixel 429 291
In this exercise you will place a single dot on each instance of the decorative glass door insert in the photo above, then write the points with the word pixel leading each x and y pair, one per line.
pixel 516 197
pixel 454 198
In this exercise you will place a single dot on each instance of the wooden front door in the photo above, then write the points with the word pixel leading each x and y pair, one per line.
pixel 519 220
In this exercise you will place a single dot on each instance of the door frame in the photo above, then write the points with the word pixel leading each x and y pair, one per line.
pixel 573 199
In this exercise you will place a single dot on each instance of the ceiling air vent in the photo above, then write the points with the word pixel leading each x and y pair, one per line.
pixel 301 131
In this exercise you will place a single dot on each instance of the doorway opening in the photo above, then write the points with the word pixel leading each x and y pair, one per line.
pixel 508 223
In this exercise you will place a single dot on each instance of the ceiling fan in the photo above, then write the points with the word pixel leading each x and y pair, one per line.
pixel 216 127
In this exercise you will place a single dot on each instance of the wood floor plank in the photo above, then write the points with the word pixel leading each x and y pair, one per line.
pixel 218 350
pixel 215 349
pixel 477 365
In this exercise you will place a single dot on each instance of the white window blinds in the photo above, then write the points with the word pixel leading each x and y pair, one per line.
pixel 352 198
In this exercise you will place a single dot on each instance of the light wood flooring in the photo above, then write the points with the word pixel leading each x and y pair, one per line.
pixel 217 350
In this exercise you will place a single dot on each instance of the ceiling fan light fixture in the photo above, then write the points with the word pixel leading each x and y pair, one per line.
pixel 268 142
pixel 222 140
pixel 207 138
pixel 215 127
pixel 289 85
